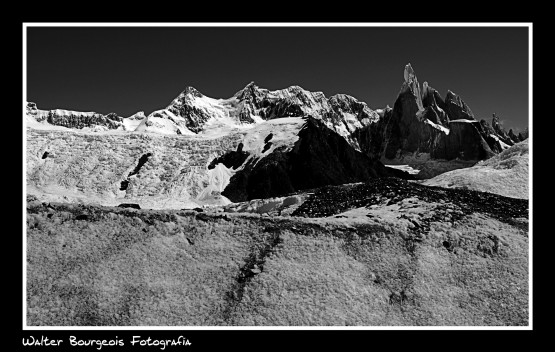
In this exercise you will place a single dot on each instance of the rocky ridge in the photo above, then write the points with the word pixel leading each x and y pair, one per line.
pixel 77 119
pixel 420 122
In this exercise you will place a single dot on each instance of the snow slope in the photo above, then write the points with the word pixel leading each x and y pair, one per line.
pixel 284 134
pixel 132 122
pixel 81 166
pixel 504 174
pixel 90 167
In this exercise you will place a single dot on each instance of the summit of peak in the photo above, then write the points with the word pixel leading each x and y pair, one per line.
pixel 249 90
pixel 409 74
pixel 191 91
pixel 295 88
pixel 411 85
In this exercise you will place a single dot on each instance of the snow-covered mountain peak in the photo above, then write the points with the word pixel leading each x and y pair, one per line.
pixel 251 92
pixel 191 92
pixel 296 90
pixel 139 115
pixel 248 88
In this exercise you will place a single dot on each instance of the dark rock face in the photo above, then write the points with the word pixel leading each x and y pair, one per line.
pixel 434 105
pixel 513 136
pixel 123 185
pixel 231 159
pixel 411 85
pixel 424 122
pixel 464 141
pixel 283 108
pixel 319 157
pixel 268 138
pixel 404 131
pixel 267 146
pixel 371 138
pixel 129 205
pixel 195 117
pixel 142 160
pixel 486 127
pixel 456 108
pixel 252 94
pixel 491 137
pixel 290 102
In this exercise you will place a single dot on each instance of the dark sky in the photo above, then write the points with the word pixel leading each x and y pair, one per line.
pixel 124 70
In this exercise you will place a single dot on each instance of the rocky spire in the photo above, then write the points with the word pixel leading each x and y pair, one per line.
pixel 411 83
pixel 496 124
pixel 500 131
pixel 513 136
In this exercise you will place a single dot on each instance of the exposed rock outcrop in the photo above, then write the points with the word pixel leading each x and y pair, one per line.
pixel 79 120
pixel 424 123
pixel 500 131
pixel 456 108
pixel 514 138
pixel 232 159
pixel 319 157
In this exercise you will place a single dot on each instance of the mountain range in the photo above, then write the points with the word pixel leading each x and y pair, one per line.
pixel 293 139
pixel 277 208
